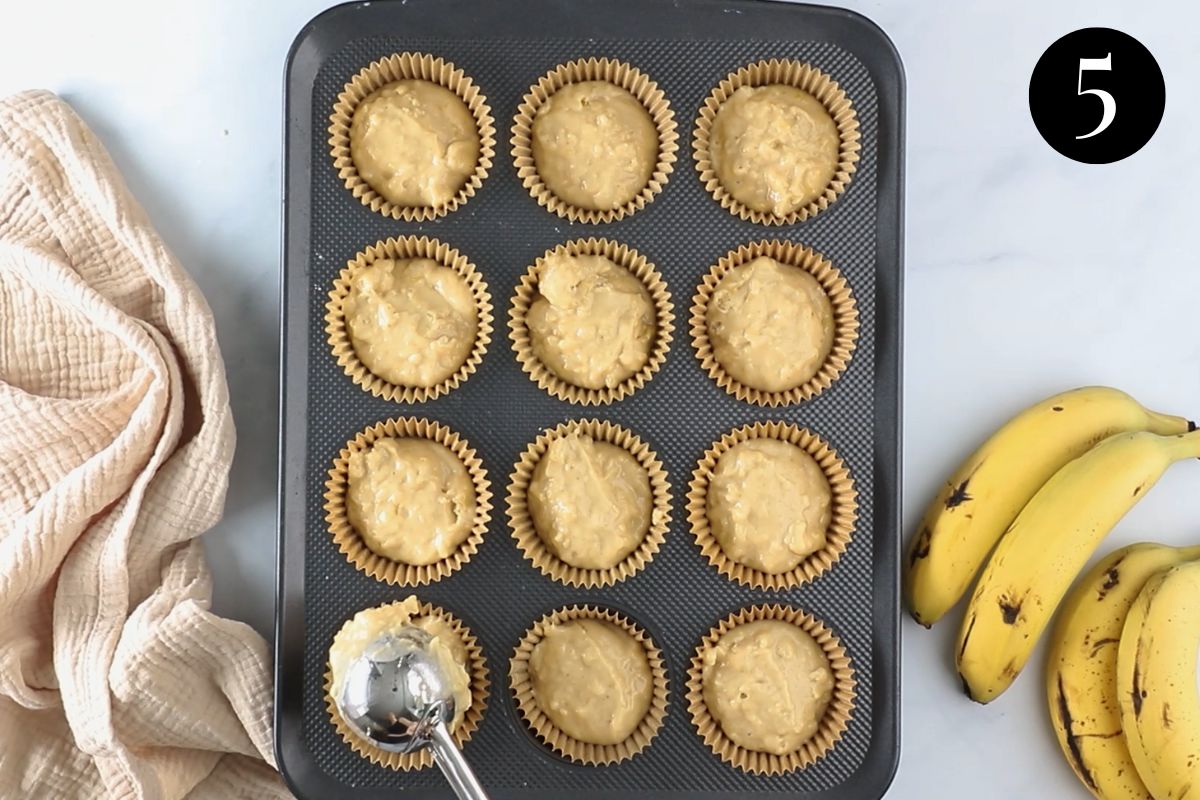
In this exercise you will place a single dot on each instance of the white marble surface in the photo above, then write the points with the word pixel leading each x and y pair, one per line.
pixel 1026 272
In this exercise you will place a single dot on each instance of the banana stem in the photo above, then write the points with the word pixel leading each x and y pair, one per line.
pixel 1185 445
pixel 1168 424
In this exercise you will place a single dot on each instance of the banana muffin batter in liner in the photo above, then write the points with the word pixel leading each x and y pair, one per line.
pixel 618 74
pixel 409 67
pixel 527 293
pixel 843 506
pixel 350 542
pixel 478 683
pixel 401 249
pixel 534 547
pixel 800 76
pixel 831 281
pixel 550 734
pixel 832 724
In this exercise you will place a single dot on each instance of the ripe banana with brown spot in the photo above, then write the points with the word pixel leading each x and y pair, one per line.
pixel 1047 545
pixel 1081 668
pixel 1156 682
pixel 991 487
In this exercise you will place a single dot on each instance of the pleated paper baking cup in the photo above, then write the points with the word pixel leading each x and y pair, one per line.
pixel 664 323
pixel 398 67
pixel 406 247
pixel 547 732
pixel 531 543
pixel 619 74
pixel 352 545
pixel 832 725
pixel 480 686
pixel 788 73
pixel 845 321
pixel 843 507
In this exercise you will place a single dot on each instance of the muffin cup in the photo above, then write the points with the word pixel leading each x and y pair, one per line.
pixel 844 507
pixel 664 319
pixel 547 732
pixel 408 66
pixel 594 69
pixel 833 724
pixel 480 685
pixel 531 543
pixel 845 321
pixel 406 247
pixel 352 545
pixel 801 76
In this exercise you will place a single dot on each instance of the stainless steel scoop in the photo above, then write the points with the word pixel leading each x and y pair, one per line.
pixel 396 697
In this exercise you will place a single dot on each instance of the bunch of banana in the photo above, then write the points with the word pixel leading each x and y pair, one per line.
pixel 1081 670
pixel 990 488
pixel 1156 682
pixel 1039 496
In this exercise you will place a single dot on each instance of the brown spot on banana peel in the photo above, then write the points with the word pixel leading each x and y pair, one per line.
pixel 1137 695
pixel 966 639
pixel 1138 489
pixel 1010 610
pixel 1075 751
pixel 1100 643
pixel 1111 579
pixel 920 547
pixel 1166 716
pixel 1057 408
pixel 960 494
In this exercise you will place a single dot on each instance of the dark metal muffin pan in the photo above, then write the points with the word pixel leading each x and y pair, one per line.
pixel 687 46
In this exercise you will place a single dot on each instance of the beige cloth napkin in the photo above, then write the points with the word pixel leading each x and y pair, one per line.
pixel 116 681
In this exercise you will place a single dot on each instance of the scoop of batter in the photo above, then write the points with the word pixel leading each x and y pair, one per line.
pixel 414 142
pixel 774 148
pixel 767 684
pixel 411 500
pixel 592 679
pixel 592 322
pixel 594 144
pixel 768 505
pixel 771 325
pixel 590 501
pixel 412 322
pixel 447 648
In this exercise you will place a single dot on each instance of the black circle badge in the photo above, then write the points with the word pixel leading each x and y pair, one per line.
pixel 1097 95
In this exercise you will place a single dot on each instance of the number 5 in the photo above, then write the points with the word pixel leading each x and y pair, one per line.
pixel 1110 104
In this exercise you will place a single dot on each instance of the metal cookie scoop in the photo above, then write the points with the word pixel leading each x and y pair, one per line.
pixel 396 697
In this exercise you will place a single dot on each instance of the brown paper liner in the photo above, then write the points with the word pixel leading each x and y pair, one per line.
pixel 351 544
pixel 843 511
pixel 408 66
pixel 404 248
pixel 845 321
pixel 480 686
pixel 547 732
pixel 832 725
pixel 664 316
pixel 594 69
pixel 789 73
pixel 532 545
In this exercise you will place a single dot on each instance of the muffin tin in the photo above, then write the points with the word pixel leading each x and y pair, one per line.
pixel 687 48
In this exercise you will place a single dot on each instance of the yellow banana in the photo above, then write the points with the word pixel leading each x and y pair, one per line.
pixel 1081 667
pixel 1156 682
pixel 1047 545
pixel 991 487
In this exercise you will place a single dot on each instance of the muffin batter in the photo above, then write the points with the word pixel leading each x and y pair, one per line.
pixel 768 505
pixel 592 679
pixel 414 142
pixel 771 325
pixel 592 322
pixel 775 148
pixel 590 501
pixel 412 322
pixel 447 648
pixel 594 144
pixel 411 500
pixel 767 684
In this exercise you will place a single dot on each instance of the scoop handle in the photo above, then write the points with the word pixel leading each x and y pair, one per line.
pixel 450 760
